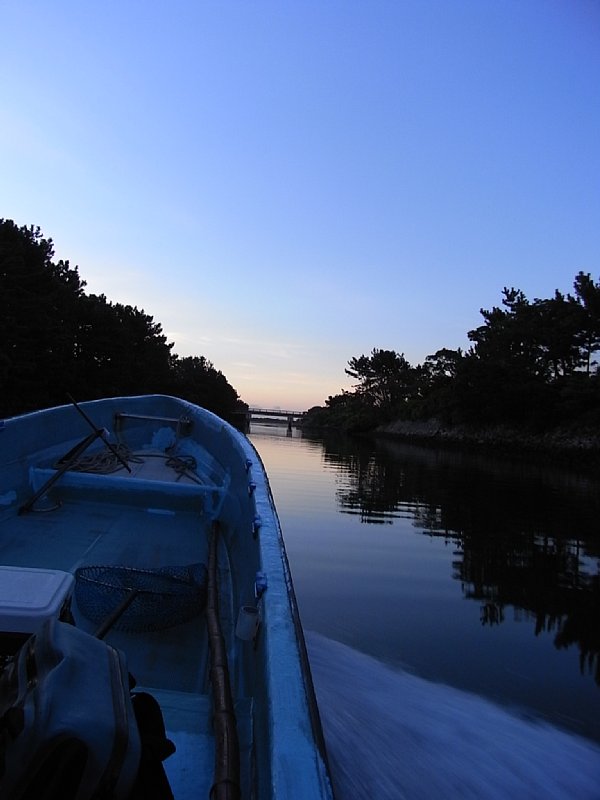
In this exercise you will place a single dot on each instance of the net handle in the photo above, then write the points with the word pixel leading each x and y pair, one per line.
pixel 116 614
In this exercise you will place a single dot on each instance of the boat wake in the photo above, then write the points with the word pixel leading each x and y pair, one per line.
pixel 391 734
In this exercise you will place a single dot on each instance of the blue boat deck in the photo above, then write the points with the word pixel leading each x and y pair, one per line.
pixel 171 664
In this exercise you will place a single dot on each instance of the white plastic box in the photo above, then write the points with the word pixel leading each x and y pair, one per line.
pixel 30 596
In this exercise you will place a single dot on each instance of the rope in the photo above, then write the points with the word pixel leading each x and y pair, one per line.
pixel 183 465
pixel 105 461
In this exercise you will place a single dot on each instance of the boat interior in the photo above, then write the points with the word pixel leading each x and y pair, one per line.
pixel 148 503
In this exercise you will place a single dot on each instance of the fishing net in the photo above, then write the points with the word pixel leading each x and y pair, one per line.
pixel 162 597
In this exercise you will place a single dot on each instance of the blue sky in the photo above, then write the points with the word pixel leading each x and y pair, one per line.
pixel 285 185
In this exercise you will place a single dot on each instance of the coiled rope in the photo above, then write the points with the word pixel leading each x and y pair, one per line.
pixel 106 462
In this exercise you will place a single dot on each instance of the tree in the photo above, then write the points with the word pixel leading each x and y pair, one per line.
pixel 547 339
pixel 55 339
pixel 507 335
pixel 443 365
pixel 530 363
pixel 587 294
pixel 528 358
pixel 386 381
pixel 196 379
pixel 119 350
pixel 439 379
pixel 38 311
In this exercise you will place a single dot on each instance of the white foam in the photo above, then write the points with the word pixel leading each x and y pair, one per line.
pixel 393 735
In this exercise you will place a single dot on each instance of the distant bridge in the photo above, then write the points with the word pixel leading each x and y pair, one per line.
pixel 275 412
pixel 277 415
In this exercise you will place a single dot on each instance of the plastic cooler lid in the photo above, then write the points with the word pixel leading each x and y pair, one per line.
pixel 29 596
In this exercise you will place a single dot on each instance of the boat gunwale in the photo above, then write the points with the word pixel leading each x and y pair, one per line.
pixel 291 710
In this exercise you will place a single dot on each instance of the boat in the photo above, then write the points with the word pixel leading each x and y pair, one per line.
pixel 150 640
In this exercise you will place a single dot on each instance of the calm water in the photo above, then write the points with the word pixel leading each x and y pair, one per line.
pixel 452 608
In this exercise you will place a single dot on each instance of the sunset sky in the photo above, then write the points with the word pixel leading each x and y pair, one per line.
pixel 285 185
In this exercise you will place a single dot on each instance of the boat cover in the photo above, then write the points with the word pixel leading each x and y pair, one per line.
pixel 69 728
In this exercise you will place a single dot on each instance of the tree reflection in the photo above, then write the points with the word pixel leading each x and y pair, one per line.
pixel 524 535
pixel 492 614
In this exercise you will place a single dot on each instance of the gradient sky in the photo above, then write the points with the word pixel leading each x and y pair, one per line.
pixel 285 185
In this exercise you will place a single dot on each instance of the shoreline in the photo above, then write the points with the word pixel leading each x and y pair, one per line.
pixel 567 444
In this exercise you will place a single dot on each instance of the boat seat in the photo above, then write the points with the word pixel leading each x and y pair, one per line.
pixel 131 491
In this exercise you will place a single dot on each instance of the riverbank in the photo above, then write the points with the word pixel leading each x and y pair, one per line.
pixel 565 443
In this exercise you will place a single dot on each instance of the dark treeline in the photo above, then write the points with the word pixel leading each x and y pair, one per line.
pixel 56 339
pixel 530 365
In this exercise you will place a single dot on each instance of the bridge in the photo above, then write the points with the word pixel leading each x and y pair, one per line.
pixel 279 416
pixel 275 412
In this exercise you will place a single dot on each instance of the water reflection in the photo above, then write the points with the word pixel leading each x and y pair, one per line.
pixel 524 536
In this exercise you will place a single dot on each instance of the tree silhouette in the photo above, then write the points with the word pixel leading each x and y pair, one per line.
pixel 38 301
pixel 56 339
pixel 385 380
pixel 530 364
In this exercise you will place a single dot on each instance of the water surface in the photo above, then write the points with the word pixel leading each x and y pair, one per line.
pixel 479 576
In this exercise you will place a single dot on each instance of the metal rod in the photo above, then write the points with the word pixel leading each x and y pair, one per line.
pixel 100 433
pixel 69 459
